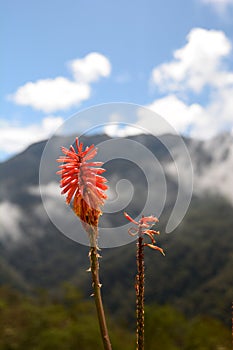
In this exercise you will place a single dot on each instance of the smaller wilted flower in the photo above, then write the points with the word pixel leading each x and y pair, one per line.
pixel 144 228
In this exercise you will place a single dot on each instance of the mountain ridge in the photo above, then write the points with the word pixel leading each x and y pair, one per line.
pixel 36 254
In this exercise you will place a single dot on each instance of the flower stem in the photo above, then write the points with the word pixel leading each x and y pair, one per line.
pixel 139 286
pixel 98 299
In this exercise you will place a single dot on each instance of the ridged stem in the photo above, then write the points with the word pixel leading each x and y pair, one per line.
pixel 139 286
pixel 94 261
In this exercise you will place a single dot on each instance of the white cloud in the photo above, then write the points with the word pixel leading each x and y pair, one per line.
pixel 118 126
pixel 91 68
pixel 50 190
pixel 11 216
pixel 170 114
pixel 191 119
pixel 50 95
pixel 187 119
pixel 197 64
pixel 14 138
pixel 122 130
pixel 177 113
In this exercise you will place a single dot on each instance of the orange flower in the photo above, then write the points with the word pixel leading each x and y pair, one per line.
pixel 143 228
pixel 81 181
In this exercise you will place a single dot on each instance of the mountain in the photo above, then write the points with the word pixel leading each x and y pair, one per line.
pixel 195 275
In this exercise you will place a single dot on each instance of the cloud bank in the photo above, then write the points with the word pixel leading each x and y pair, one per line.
pixel 196 65
pixel 198 71
pixel 60 93
pixel 15 137
pixel 199 66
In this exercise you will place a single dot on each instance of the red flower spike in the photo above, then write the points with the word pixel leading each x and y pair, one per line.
pixel 81 181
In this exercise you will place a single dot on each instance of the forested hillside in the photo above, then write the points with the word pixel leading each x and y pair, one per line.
pixel 188 292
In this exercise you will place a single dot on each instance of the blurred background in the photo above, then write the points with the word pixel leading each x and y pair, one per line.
pixel 58 59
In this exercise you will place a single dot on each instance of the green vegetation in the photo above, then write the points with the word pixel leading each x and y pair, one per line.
pixel 63 322
pixel 195 276
pixel 168 329
pixel 67 321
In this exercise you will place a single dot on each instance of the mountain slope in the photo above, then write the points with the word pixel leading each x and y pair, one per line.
pixel 195 275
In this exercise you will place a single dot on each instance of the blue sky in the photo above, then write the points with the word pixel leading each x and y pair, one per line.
pixel 60 57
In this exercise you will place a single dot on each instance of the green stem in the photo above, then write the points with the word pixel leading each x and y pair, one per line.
pixel 98 299
pixel 140 292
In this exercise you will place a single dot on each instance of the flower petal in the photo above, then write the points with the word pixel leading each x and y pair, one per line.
pixel 153 232
pixel 155 247
pixel 147 219
pixel 130 219
pixel 133 231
